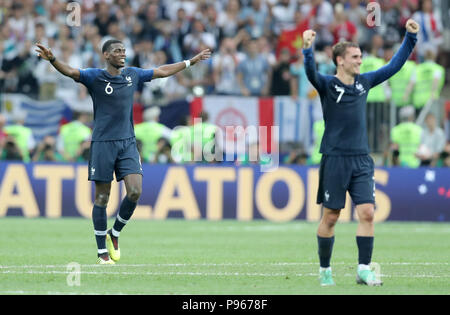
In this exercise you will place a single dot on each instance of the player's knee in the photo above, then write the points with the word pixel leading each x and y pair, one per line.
pixel 134 193
pixel 366 214
pixel 330 219
pixel 102 200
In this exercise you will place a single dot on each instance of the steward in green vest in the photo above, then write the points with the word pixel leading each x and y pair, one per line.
pixel 72 135
pixel 203 138
pixel 318 129
pixel 377 93
pixel 429 80
pixel 22 135
pixel 400 82
pixel 150 131
pixel 406 136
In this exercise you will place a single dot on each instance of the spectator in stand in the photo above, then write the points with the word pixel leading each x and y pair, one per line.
pixel 253 72
pixel 430 34
pixel 282 80
pixel 167 42
pixel 432 142
pixel 198 35
pixel 357 14
pixel 342 28
pixel 283 15
pixel 255 19
pixel 225 63
pixel 326 65
pixel 163 153
pixel 103 17
pixel 390 28
pixel 322 18
pixel 228 20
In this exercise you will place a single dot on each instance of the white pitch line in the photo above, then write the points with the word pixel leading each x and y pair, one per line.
pixel 220 264
pixel 212 274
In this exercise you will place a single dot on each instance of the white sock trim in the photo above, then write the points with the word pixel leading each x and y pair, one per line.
pixel 323 269
pixel 102 251
pixel 100 233
pixel 121 220
pixel 363 267
pixel 115 233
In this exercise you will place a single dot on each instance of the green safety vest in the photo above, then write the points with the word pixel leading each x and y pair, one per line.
pixel 73 134
pixel 399 82
pixel 149 133
pixel 408 137
pixel 424 82
pixel 21 134
pixel 371 63
pixel 319 129
pixel 203 131
pixel 181 144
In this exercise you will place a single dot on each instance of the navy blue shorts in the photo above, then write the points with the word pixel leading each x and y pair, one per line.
pixel 339 174
pixel 119 156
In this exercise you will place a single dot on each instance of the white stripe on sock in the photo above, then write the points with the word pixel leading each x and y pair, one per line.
pixel 102 251
pixel 115 233
pixel 121 220
pixel 100 233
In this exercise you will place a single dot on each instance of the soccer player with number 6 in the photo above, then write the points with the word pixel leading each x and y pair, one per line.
pixel 346 164
pixel 113 146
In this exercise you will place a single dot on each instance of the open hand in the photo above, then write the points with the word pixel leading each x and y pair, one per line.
pixel 203 55
pixel 44 53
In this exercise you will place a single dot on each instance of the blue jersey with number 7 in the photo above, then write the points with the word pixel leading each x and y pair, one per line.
pixel 344 106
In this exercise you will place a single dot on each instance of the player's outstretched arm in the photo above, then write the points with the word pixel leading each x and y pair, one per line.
pixel 170 69
pixel 46 54
pixel 399 59
pixel 316 79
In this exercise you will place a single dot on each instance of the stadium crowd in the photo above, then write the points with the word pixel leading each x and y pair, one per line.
pixel 256 52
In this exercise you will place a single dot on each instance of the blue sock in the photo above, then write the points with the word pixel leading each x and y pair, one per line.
pixel 99 220
pixel 125 212
pixel 325 250
pixel 365 248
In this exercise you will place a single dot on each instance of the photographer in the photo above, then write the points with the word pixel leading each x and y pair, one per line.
pixel 46 151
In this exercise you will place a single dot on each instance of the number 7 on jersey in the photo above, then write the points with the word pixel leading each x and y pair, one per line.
pixel 341 91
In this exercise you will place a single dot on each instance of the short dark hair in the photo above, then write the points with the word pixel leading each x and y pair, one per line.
pixel 108 44
pixel 340 48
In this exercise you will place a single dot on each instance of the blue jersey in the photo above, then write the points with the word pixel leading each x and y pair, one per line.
pixel 113 100
pixel 344 106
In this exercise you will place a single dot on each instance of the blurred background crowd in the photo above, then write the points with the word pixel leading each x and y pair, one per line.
pixel 256 48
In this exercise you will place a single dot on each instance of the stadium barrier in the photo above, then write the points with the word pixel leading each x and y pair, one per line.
pixel 209 192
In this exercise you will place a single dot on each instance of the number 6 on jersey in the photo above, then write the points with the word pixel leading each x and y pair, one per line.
pixel 108 88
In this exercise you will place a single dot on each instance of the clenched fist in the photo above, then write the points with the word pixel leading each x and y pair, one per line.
pixel 308 38
pixel 412 26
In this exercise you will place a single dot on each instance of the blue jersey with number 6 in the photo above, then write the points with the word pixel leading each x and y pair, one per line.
pixel 113 100
pixel 344 106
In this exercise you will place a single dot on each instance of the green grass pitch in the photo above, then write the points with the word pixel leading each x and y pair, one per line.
pixel 217 257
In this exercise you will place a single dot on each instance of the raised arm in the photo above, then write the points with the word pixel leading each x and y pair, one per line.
pixel 46 54
pixel 316 79
pixel 170 69
pixel 399 59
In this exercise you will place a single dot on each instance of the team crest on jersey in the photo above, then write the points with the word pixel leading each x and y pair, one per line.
pixel 360 88
pixel 129 80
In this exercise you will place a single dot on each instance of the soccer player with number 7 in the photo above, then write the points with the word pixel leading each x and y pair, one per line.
pixel 346 164
pixel 113 146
